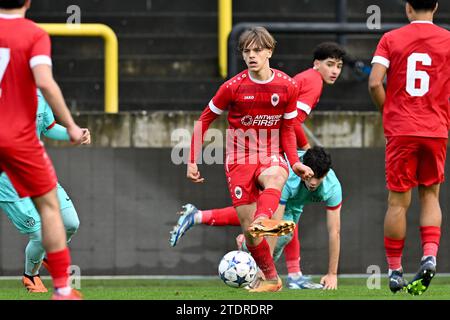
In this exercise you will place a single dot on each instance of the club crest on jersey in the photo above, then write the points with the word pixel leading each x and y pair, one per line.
pixel 247 121
pixel 275 99
pixel 30 222
pixel 238 192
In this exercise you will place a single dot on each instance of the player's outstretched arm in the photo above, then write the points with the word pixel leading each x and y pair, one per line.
pixel 329 281
pixel 200 128
pixel 289 145
pixel 376 87
pixel 52 93
pixel 59 133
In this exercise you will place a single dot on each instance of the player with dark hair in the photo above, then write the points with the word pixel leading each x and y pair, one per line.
pixel 415 107
pixel 12 4
pixel 327 67
pixel 423 5
pixel 25 63
pixel 262 105
pixel 323 187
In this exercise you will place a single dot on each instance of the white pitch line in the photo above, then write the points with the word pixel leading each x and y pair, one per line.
pixel 161 277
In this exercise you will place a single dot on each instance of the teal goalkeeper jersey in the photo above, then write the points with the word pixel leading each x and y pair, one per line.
pixel 296 195
pixel 45 123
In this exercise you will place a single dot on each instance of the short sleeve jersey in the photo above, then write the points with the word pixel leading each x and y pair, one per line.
pixel 44 121
pixel 257 106
pixel 310 85
pixel 418 80
pixel 23 45
pixel 296 195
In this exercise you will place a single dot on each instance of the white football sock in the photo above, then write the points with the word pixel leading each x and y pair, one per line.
pixel 198 217
pixel 295 275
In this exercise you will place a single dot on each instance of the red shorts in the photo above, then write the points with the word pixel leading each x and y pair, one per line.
pixel 243 179
pixel 29 168
pixel 413 161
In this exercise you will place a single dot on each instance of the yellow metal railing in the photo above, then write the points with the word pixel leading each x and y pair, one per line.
pixel 111 54
pixel 225 25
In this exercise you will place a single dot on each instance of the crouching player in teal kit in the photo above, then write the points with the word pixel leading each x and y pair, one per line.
pixel 323 187
pixel 22 212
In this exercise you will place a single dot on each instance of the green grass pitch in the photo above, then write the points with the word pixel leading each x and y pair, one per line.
pixel 210 289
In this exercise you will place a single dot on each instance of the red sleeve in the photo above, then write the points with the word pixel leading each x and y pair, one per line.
pixel 291 107
pixel 288 138
pixel 215 108
pixel 382 54
pixel 222 100
pixel 308 96
pixel 300 133
pixel 289 141
pixel 41 50
pixel 201 126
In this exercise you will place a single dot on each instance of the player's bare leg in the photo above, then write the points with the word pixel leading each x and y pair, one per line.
pixel 394 236
pixel 53 232
pixel 430 232
pixel 430 212
pixel 272 180
pixel 395 219
pixel 54 242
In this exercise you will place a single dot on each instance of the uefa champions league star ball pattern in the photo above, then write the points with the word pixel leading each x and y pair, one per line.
pixel 237 269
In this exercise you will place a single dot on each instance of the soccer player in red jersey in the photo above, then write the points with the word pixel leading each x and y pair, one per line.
pixel 415 107
pixel 25 63
pixel 262 105
pixel 328 62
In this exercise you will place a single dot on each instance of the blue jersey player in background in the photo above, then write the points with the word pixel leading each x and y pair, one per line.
pixel 22 212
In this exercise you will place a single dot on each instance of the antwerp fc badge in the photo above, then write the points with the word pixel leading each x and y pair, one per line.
pixel 238 192
pixel 275 99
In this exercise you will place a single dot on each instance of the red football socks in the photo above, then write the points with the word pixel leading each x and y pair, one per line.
pixel 261 254
pixel 267 203
pixel 58 263
pixel 430 240
pixel 221 217
pixel 394 251
pixel 292 254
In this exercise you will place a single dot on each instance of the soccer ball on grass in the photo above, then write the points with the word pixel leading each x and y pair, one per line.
pixel 237 269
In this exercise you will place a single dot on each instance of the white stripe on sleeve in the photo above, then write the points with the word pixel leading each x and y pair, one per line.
pixel 304 107
pixel 214 108
pixel 381 60
pixel 290 115
pixel 37 60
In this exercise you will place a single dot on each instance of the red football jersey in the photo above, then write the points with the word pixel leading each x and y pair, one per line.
pixel 418 80
pixel 23 45
pixel 310 85
pixel 261 118
pixel 257 109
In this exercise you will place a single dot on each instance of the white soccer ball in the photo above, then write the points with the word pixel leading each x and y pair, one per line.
pixel 237 269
